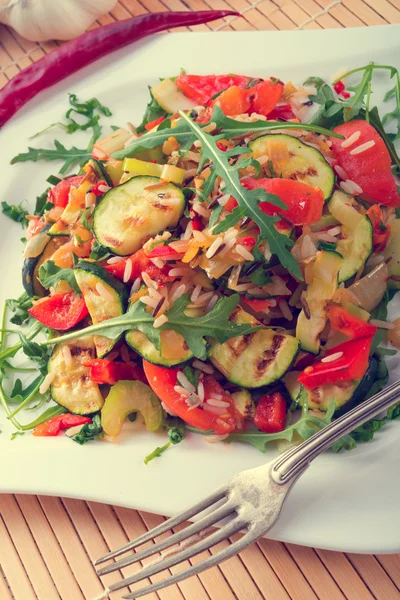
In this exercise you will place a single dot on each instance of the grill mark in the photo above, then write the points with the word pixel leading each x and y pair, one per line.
pixel 112 241
pixel 310 172
pixel 78 351
pixel 269 355
pixel 162 207
pixel 239 344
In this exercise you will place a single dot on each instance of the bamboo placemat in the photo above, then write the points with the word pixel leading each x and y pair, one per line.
pixel 47 545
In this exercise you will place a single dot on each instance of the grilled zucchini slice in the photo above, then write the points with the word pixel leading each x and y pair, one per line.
pixel 256 359
pixel 392 252
pixel 326 269
pixel 303 162
pixel 356 243
pixel 346 395
pixel 130 213
pixel 71 386
pixel 92 279
pixel 174 350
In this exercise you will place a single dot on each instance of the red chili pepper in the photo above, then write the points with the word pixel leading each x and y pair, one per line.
pixel 271 413
pixel 344 322
pixel 95 188
pixel 381 231
pixel 53 426
pixel 154 123
pixel 61 311
pixel 350 364
pixel 339 87
pixel 92 45
pixel 109 371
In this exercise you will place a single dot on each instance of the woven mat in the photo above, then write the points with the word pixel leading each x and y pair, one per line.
pixel 47 545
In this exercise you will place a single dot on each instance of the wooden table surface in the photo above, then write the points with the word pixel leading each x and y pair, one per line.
pixel 47 545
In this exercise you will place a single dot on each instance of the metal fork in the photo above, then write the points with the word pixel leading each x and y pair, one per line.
pixel 250 502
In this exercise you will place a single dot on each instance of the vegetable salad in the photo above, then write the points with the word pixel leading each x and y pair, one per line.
pixel 224 267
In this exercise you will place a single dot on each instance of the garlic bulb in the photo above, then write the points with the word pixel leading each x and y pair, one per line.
pixel 41 20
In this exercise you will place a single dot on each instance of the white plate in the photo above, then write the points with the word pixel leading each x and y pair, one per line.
pixel 347 502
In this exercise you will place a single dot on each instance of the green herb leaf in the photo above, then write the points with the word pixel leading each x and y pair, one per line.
pixel 394 115
pixel 50 275
pixel 36 352
pixel 19 307
pixel 192 375
pixel 248 200
pixel 324 92
pixel 89 431
pixel 15 212
pixel 230 220
pixel 99 252
pixel 176 434
pixel 42 204
pixel 153 111
pixel 156 453
pixel 70 157
pixel 215 215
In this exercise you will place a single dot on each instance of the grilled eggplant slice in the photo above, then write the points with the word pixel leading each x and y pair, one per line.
pixel 256 359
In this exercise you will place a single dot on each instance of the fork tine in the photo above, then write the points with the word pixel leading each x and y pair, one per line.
pixel 213 560
pixel 166 525
pixel 219 536
pixel 217 515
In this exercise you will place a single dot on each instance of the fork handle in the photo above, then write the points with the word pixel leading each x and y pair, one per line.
pixel 291 464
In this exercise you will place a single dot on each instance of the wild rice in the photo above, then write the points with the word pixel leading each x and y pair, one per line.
pixel 168 201
pixel 158 307
pixel 193 401
pixel 244 252
pixel 198 236
pixel 181 390
pixel 158 262
pixel 325 237
pixel 152 302
pixel 148 280
pixel 200 390
pixel 177 293
pixel 243 287
pixel 351 139
pixel 160 321
pixel 335 230
pixel 234 277
pixel 67 356
pixel 212 303
pixel 104 292
pixel 267 252
pixel 223 199
pixel 216 410
pixel 103 188
pixel 90 199
pixel 46 383
pixel 381 324
pixel 332 357
pixel 204 212
pixel 212 439
pixel 180 272
pixel 195 293
pixel 262 159
pixel 184 381
pixel 362 147
pixel 216 402
pixel 180 245
pixel 200 366
pixel 225 248
pixel 351 187
pixel 114 260
pixel 285 310
pixel 341 172
pixel 124 353
pixel 214 247
pixel 135 286
pixel 127 271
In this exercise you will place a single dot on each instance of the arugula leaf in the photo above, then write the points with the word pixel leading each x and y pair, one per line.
pixel 260 277
pixel 353 105
pixel 393 115
pixel 89 431
pixel 380 313
pixel 36 352
pixel 42 204
pixel 230 220
pixel 214 324
pixel 99 252
pixel 15 212
pixel 70 157
pixel 192 375
pixel 19 307
pixel 51 412
pixel 216 213
pixel 376 122
pixel 50 275
pixel 153 111
pixel 248 200
pixel 324 91
pixel 19 393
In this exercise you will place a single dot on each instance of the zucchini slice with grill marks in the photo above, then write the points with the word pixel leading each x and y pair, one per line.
pixel 301 162
pixel 71 386
pixel 105 298
pixel 346 395
pixel 326 269
pixel 130 213
pixel 356 241
pixel 174 349
pixel 255 359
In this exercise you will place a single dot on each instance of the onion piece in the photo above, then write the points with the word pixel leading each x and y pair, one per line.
pixel 36 245
pixel 370 289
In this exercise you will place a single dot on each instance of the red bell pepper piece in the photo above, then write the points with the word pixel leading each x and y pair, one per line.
pixel 304 202
pixel 163 382
pixel 344 322
pixel 140 262
pixel 88 47
pixel 350 364
pixel 258 304
pixel 95 188
pixel 109 371
pixel 53 426
pixel 59 194
pixel 265 96
pixel 201 88
pixel 230 204
pixel 163 250
pixel 197 224
pixel 381 231
pixel 339 87
pixel 283 112
pixel 154 123
pixel 371 168
pixel 247 241
pixel 60 311
pixel 271 413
